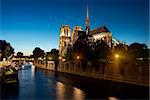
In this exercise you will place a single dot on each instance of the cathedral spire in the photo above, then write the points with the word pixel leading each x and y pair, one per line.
pixel 87 20
pixel 87 12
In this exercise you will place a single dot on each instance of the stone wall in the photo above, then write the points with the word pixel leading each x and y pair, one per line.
pixel 50 65
pixel 127 73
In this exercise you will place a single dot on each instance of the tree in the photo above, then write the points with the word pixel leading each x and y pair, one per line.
pixel 80 48
pixel 83 49
pixel 54 55
pixel 120 49
pixel 38 52
pixel 20 54
pixel 101 53
pixel 69 54
pixel 137 50
pixel 48 56
pixel 6 49
pixel 137 46
pixel 101 50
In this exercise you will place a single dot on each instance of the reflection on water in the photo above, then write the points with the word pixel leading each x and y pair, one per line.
pixel 78 94
pixel 22 66
pixel 112 98
pixel 32 71
pixel 74 92
pixel 41 84
pixel 60 90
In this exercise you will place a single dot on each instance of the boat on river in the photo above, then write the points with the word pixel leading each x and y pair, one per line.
pixel 9 76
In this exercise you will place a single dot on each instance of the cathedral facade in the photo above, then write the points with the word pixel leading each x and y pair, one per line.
pixel 65 39
pixel 68 37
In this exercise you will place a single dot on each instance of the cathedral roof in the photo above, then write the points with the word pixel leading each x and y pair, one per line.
pixel 99 30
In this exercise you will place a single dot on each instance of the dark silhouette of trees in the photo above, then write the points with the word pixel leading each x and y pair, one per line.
pixel 137 46
pixel 99 53
pixel 137 50
pixel 101 50
pixel 55 56
pixel 38 52
pixel 6 49
pixel 89 50
pixel 80 48
pixel 120 50
pixel 19 54
pixel 48 56
pixel 69 54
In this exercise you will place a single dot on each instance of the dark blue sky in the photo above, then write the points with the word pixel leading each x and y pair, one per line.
pixel 27 24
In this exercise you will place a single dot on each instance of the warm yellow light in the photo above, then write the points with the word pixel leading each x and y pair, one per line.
pixel 63 59
pixel 78 57
pixel 50 58
pixel 116 56
pixel 60 58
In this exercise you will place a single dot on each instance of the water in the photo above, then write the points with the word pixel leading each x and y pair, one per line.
pixel 39 84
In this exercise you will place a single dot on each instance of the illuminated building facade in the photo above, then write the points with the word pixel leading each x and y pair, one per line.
pixel 65 39
pixel 75 34
pixel 102 33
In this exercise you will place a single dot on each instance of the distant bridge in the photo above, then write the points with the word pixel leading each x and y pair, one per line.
pixel 24 58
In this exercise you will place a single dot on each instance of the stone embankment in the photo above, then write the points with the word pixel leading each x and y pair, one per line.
pixel 4 63
pixel 126 73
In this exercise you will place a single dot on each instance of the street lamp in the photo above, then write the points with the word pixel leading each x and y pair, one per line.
pixel 64 60
pixel 78 57
pixel 117 56
pixel 60 57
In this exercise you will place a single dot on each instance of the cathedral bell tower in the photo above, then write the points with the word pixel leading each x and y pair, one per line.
pixel 65 39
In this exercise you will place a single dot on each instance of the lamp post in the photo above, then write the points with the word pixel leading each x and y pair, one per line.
pixel 78 57
pixel 116 56
pixel 60 57
pixel 117 65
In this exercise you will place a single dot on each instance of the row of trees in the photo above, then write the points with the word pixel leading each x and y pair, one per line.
pixel 6 50
pixel 88 50
pixel 39 53
pixel 52 55
pixel 100 51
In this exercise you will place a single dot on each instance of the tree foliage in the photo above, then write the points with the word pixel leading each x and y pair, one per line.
pixel 6 49
pixel 19 54
pixel 137 50
pixel 69 54
pixel 98 51
pixel 48 56
pixel 38 53
pixel 54 54
pixel 88 50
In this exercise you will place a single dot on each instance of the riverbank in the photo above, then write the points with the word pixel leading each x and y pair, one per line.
pixel 131 74
pixel 4 63
pixel 99 88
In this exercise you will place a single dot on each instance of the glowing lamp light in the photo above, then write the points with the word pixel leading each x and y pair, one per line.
pixel 63 60
pixel 60 58
pixel 78 57
pixel 50 58
pixel 116 56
